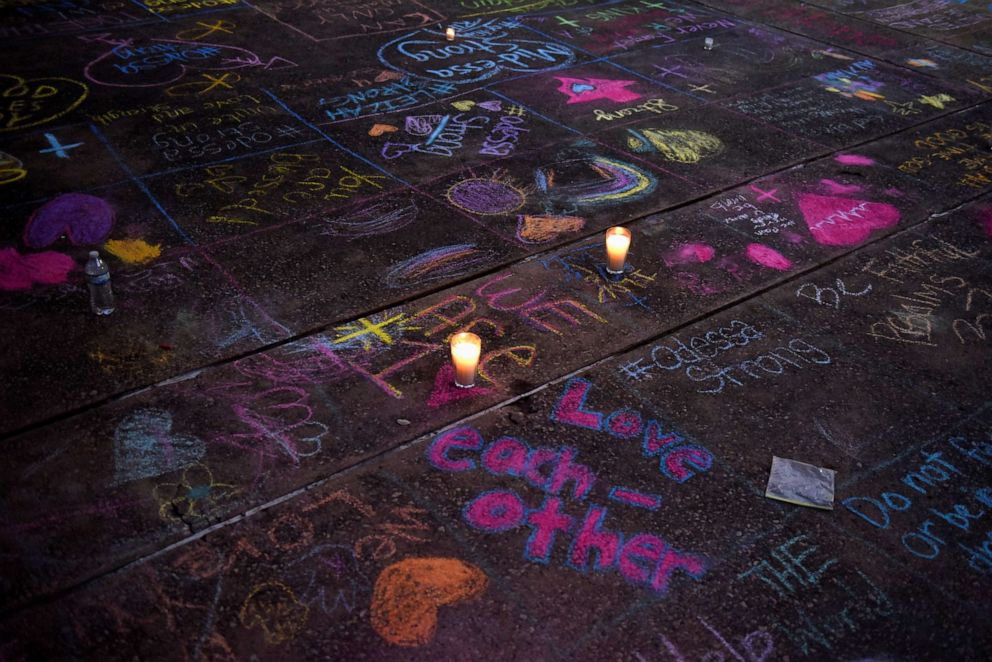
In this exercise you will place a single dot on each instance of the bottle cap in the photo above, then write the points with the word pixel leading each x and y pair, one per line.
pixel 94 253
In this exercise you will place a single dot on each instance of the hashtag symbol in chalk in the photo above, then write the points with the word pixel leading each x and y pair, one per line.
pixel 516 111
pixel 634 371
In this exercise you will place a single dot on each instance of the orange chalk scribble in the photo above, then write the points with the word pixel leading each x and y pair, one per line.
pixel 407 595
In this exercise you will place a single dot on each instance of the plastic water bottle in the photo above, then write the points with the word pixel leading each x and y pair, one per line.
pixel 98 277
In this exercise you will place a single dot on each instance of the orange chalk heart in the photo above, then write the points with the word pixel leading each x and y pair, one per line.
pixel 379 129
pixel 541 229
pixel 407 595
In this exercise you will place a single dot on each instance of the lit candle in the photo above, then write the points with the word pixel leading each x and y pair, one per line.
pixel 708 44
pixel 617 243
pixel 450 33
pixel 465 351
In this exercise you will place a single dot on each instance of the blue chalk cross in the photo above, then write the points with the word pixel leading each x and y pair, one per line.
pixel 58 148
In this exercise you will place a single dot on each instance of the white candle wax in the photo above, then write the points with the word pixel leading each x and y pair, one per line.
pixel 617 244
pixel 465 351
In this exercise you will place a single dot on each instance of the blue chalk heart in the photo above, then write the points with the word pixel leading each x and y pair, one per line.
pixel 577 88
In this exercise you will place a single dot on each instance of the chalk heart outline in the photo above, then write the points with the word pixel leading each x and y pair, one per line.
pixel 145 447
pixel 54 97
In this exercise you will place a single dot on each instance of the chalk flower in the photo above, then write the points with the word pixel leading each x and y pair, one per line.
pixel 193 496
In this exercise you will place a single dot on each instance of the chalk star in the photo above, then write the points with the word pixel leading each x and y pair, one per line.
pixel 581 90
pixel 57 148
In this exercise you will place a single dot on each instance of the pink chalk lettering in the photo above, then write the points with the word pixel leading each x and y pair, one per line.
pixel 546 522
pixel 506 456
pixel 678 464
pixel 569 409
pixel 566 470
pixel 635 498
pixel 655 440
pixel 495 512
pixel 459 438
pixel 674 561
pixel 592 538
pixel 624 423
pixel 640 556
pixel 493 300
pixel 537 459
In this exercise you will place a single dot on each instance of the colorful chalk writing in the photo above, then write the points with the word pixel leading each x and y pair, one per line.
pixel 33 102
pixel 697 358
pixel 799 572
pixel 643 559
pixel 484 49
pixel 677 459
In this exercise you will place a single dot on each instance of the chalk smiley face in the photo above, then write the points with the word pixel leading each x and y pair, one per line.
pixel 30 102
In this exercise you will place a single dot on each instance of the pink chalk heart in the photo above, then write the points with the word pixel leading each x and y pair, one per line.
pixel 837 221
pixel 494 106
pixel 446 392
pixel 85 219
pixel 20 272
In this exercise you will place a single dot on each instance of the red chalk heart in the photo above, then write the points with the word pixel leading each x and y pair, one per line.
pixel 837 221
pixel 85 219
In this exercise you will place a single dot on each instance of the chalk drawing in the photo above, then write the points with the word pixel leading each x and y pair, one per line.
pixel 133 251
pixel 145 446
pixel 767 256
pixel 30 102
pixel 835 221
pixel 487 195
pixel 374 219
pixel 582 90
pixel 408 593
pixel 595 180
pixel 689 254
pixel 85 220
pixel 675 145
pixel 438 264
pixel 329 577
pixel 193 496
pixel 540 229
pixel 21 272
pixel 445 391
pixel 274 607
